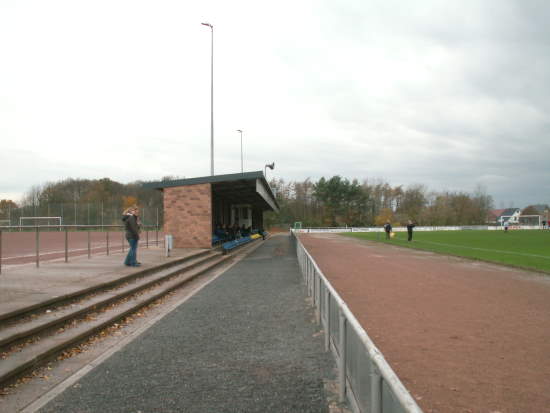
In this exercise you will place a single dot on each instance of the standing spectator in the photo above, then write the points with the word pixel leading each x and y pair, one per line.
pixel 387 228
pixel 410 226
pixel 131 225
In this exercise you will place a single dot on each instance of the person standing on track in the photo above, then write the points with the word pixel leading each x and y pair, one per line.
pixel 410 226
pixel 131 225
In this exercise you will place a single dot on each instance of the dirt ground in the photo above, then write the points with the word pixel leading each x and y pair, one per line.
pixel 463 336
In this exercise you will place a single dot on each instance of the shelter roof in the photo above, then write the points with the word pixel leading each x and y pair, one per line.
pixel 240 188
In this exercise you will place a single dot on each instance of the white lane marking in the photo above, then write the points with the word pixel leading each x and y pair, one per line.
pixel 486 249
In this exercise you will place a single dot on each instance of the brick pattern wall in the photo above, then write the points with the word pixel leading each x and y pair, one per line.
pixel 188 215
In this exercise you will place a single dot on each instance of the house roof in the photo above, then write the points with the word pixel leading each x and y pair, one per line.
pixel 240 188
pixel 509 212
pixel 495 213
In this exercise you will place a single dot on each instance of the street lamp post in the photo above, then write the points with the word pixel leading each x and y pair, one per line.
pixel 211 100
pixel 241 132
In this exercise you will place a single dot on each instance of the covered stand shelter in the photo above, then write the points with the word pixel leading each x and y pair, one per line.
pixel 194 207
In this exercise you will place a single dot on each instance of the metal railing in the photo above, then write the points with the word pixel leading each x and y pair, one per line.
pixel 418 228
pixel 365 378
pixel 106 246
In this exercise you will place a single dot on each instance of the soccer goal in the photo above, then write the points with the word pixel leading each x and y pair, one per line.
pixel 531 220
pixel 41 221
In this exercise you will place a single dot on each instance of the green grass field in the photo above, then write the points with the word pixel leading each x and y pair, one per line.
pixel 519 248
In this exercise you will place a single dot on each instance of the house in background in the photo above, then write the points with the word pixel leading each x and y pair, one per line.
pixel 501 216
pixel 493 216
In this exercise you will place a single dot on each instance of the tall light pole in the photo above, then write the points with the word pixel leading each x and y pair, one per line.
pixel 241 132
pixel 211 100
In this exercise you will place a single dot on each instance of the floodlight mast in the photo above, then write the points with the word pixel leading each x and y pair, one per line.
pixel 241 132
pixel 211 99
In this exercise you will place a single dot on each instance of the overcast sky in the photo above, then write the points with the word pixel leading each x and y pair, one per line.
pixel 450 94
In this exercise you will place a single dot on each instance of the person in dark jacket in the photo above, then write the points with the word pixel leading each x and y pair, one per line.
pixel 410 226
pixel 387 228
pixel 131 225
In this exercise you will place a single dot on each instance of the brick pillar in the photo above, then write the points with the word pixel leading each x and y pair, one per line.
pixel 188 215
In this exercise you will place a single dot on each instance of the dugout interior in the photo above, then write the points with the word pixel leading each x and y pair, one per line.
pixel 193 207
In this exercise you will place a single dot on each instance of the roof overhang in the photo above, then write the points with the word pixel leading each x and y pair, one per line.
pixel 243 188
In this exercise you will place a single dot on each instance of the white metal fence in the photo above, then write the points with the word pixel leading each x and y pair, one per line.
pixel 365 378
pixel 423 228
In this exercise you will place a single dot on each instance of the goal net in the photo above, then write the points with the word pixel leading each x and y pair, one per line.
pixel 528 220
pixel 40 221
pixel 533 220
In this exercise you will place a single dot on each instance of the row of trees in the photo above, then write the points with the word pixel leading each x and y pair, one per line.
pixel 84 201
pixel 339 201
pixel 332 201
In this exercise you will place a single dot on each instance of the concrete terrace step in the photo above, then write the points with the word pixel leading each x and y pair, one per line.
pixel 34 354
pixel 30 308
pixel 23 329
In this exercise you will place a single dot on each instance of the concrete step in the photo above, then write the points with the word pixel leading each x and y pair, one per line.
pixel 37 353
pixel 23 329
pixel 26 310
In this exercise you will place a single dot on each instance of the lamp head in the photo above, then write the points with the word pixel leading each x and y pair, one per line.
pixel 271 165
pixel 207 24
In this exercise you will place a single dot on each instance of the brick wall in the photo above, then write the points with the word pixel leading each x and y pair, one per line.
pixel 188 215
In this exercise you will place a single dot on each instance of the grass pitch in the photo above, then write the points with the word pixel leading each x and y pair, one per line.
pixel 519 248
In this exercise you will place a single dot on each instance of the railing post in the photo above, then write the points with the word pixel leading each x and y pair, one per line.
pixel 122 233
pixel 37 247
pixel 375 390
pixel 342 365
pixel 89 244
pixel 319 309
pixel 313 285
pixel 146 239
pixel 107 239
pixel 309 277
pixel 312 281
pixel 66 244
pixel 327 319
pixel 0 251
pixel 157 235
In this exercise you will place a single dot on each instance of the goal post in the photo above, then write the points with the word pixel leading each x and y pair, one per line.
pixel 533 220
pixel 46 221
pixel 530 220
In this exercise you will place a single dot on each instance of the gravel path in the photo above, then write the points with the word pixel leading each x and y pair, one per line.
pixel 245 343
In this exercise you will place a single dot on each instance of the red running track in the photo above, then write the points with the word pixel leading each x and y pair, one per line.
pixel 20 247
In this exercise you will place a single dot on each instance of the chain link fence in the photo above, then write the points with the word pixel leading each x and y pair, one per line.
pixel 97 214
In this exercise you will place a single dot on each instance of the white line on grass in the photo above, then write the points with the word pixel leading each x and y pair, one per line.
pixel 485 249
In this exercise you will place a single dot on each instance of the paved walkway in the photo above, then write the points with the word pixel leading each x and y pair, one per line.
pixel 247 342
